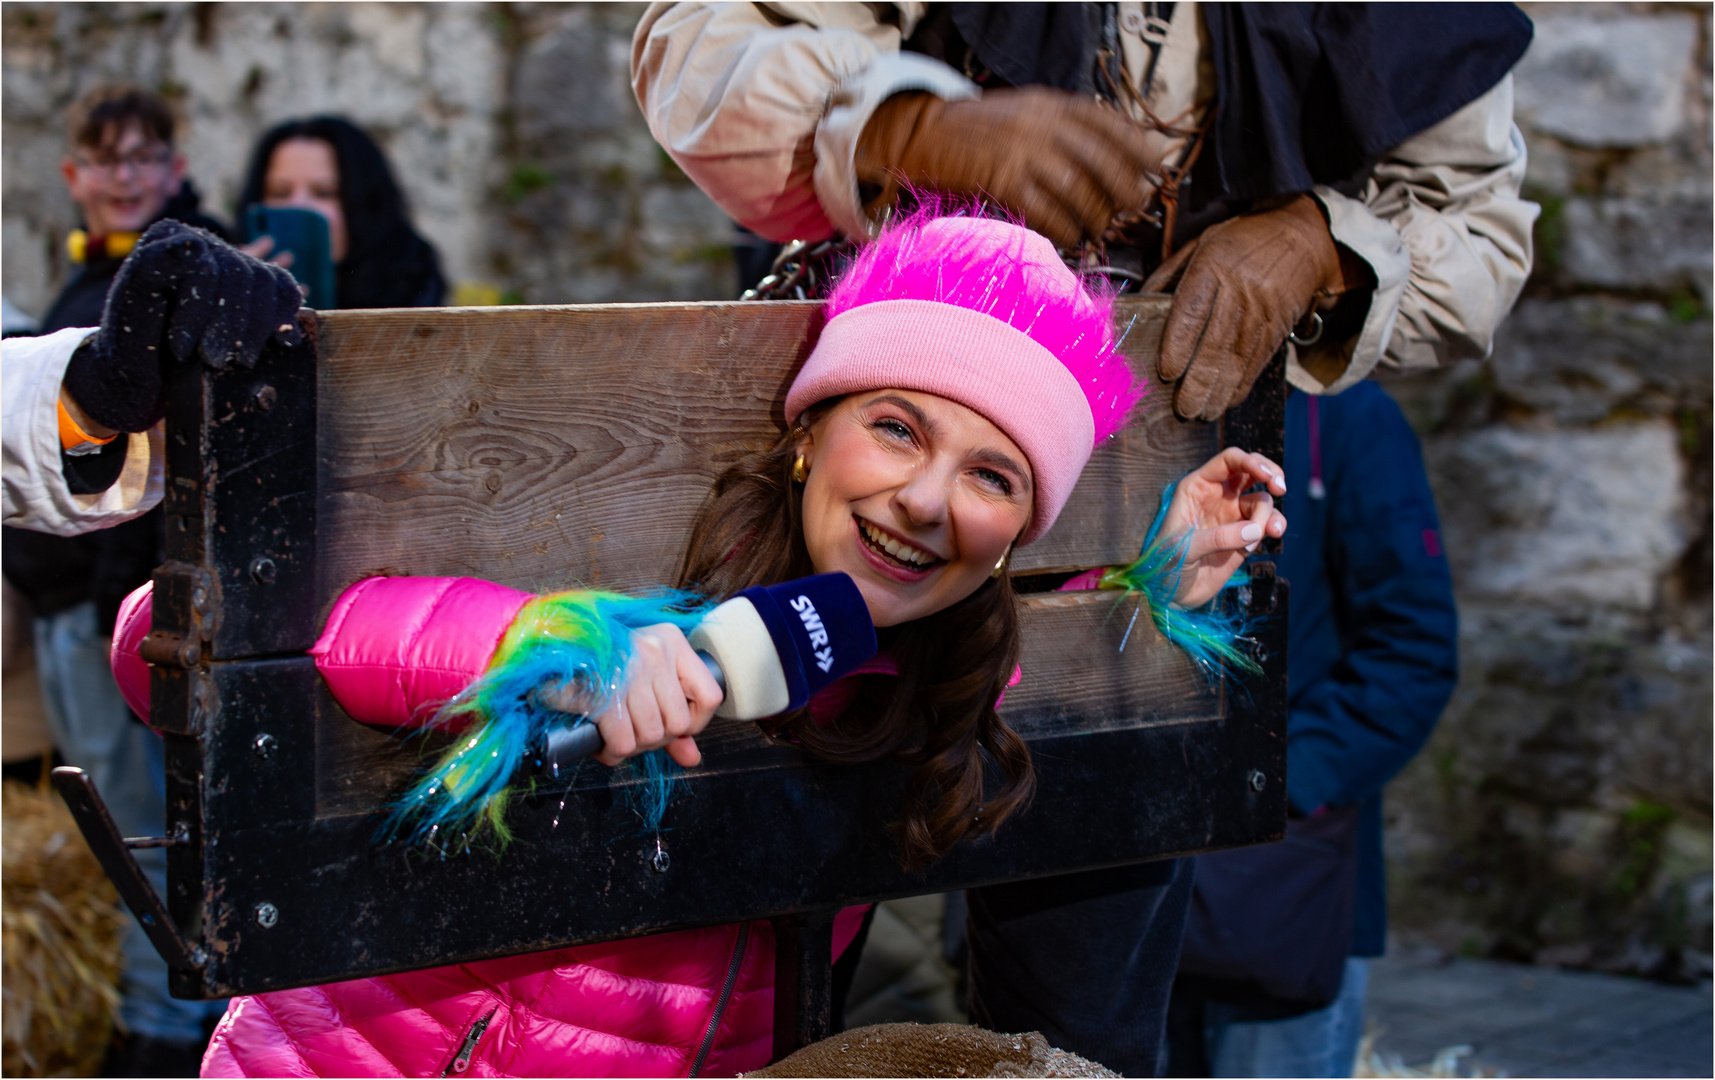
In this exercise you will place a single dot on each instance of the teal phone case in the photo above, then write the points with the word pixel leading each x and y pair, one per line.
pixel 305 234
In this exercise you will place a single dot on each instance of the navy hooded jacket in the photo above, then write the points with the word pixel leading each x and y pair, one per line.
pixel 1373 635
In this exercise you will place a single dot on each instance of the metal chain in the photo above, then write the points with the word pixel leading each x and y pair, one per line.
pixel 799 271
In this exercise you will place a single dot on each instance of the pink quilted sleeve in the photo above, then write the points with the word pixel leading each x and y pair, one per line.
pixel 395 648
pixel 130 670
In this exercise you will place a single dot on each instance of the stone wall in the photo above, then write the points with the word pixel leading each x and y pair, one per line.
pixel 511 127
pixel 1562 813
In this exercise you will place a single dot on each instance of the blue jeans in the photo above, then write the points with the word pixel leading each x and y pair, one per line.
pixel 1320 1043
pixel 95 731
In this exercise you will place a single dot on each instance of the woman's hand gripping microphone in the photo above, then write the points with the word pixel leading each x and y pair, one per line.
pixel 1225 520
pixel 668 697
pixel 766 650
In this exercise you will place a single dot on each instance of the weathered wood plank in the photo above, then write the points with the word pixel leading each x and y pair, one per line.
pixel 1077 680
pixel 551 446
pixel 1093 661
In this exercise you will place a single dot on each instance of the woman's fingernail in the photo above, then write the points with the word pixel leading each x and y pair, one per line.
pixel 1250 547
pixel 1253 531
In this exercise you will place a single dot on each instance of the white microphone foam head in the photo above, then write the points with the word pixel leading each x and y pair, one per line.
pixel 735 635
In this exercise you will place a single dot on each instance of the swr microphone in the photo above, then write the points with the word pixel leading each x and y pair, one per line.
pixel 769 647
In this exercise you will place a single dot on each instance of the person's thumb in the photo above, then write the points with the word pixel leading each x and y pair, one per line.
pixel 1166 276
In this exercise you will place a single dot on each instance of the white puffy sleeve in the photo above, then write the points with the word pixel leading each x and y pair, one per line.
pixel 35 493
pixel 1443 228
pixel 762 104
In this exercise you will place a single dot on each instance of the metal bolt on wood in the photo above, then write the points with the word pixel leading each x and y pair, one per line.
pixel 267 915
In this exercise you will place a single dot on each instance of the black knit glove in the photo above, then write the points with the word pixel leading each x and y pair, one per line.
pixel 182 292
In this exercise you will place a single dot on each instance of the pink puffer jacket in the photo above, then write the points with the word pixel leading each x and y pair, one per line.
pixel 695 1002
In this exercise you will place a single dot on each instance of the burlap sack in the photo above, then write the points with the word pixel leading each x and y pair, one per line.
pixel 931 1050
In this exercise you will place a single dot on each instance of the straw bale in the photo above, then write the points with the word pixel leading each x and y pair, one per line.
pixel 62 929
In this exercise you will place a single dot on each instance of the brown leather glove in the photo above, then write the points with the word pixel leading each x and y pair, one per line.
pixel 1239 289
pixel 1063 162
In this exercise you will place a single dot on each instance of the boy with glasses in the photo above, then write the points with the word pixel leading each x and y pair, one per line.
pixel 124 174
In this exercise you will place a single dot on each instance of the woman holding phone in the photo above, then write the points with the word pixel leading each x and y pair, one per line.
pixel 331 167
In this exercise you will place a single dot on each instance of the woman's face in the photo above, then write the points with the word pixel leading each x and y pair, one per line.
pixel 304 173
pixel 916 497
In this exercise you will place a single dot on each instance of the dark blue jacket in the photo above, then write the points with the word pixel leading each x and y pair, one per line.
pixel 1373 635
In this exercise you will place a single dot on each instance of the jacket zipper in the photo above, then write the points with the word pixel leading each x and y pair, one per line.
pixel 461 1062
pixel 721 1002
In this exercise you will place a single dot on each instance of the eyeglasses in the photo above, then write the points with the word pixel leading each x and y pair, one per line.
pixel 142 160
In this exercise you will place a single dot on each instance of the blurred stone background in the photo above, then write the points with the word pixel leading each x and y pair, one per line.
pixel 511 126
pixel 1562 813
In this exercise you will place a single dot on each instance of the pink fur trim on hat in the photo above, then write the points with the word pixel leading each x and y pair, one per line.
pixel 985 313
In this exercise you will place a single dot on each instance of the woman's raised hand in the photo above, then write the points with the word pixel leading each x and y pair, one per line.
pixel 261 247
pixel 668 697
pixel 1225 518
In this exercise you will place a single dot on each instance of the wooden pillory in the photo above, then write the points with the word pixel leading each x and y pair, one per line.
pixel 558 446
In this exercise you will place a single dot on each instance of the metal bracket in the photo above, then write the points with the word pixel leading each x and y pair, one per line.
pixel 113 853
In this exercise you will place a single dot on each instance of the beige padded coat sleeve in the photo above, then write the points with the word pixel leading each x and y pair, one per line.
pixel 762 104
pixel 35 492
pixel 1442 226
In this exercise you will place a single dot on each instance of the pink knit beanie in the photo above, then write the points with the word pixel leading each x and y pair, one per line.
pixel 984 313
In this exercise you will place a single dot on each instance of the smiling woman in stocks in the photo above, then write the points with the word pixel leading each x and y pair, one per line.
pixel 958 388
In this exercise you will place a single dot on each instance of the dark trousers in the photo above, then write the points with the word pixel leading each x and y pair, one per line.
pixel 1086 959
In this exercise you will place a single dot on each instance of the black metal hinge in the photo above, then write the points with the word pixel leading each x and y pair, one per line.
pixel 181 587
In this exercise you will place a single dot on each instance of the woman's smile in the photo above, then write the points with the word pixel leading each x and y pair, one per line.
pixel 899 558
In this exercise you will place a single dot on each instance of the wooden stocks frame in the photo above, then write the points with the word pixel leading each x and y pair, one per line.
pixel 556 446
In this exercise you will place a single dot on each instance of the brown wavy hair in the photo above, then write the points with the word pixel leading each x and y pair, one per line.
pixel 937 716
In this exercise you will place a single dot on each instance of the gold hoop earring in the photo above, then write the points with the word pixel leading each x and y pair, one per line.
pixel 799 470
pixel 1000 567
